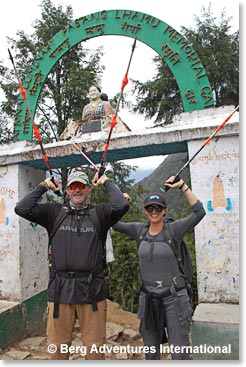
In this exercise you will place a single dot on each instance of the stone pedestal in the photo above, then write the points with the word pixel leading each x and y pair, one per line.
pixel 215 332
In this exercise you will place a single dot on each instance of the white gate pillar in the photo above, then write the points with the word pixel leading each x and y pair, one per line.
pixel 23 249
pixel 215 180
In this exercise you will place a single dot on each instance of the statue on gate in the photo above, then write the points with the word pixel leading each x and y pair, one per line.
pixel 97 108
pixel 96 116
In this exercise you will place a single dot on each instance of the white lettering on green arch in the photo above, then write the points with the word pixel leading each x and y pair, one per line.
pixel 178 54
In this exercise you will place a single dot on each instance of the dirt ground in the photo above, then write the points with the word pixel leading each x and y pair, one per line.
pixel 37 350
pixel 118 316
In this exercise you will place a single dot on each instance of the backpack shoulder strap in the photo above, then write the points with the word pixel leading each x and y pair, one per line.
pixel 174 248
pixel 95 221
pixel 143 233
pixel 171 242
pixel 58 221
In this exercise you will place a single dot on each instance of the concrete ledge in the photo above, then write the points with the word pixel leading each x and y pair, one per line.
pixel 6 305
pixel 134 144
pixel 215 327
pixel 20 320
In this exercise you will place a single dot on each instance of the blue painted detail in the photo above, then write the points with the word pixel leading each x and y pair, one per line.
pixel 229 204
pixel 209 206
pixel 33 225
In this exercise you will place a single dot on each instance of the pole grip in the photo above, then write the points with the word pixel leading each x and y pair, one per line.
pixel 101 171
pixel 58 193
pixel 166 188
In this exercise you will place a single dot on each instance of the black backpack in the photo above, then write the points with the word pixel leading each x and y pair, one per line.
pixel 181 253
pixel 91 211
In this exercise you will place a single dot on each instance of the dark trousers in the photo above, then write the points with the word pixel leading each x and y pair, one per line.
pixel 178 313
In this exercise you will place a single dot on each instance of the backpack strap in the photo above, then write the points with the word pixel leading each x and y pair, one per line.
pixel 142 237
pixel 174 247
pixel 96 222
pixel 143 233
pixel 179 260
pixel 64 210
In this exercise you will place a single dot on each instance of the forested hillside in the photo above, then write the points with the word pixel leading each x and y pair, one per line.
pixel 170 166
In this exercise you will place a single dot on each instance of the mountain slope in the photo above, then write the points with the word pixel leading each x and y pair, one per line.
pixel 170 166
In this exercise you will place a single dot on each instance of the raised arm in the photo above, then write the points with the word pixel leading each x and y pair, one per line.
pixel 181 226
pixel 118 202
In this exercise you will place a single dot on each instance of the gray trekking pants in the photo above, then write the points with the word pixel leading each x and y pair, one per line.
pixel 177 321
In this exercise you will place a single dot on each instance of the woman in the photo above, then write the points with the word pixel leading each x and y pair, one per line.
pixel 164 302
pixel 98 107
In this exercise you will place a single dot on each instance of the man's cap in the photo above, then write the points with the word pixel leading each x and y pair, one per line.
pixel 78 176
pixel 155 198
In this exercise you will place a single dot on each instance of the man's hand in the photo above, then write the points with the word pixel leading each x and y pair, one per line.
pixel 97 181
pixel 127 197
pixel 54 186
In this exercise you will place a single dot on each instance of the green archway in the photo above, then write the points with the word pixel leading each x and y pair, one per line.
pixel 178 54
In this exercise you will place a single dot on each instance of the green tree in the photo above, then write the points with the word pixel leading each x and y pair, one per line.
pixel 160 97
pixel 65 90
pixel 6 131
pixel 218 50
pixel 126 265
pixel 123 274
pixel 119 173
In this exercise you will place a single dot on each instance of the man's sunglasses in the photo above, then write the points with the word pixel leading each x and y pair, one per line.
pixel 151 208
pixel 76 185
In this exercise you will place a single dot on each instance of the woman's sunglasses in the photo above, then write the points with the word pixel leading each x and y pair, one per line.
pixel 76 185
pixel 151 208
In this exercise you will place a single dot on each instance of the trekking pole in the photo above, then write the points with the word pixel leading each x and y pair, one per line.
pixel 113 121
pixel 177 178
pixel 85 156
pixel 35 128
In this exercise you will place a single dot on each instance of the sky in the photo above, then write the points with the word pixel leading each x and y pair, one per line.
pixel 19 15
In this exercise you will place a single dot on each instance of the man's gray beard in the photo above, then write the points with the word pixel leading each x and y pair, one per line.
pixel 79 206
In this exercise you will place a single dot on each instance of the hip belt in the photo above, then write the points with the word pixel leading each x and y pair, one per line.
pixel 89 276
pixel 177 281
pixel 69 274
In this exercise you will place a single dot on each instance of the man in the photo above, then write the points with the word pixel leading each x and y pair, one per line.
pixel 77 286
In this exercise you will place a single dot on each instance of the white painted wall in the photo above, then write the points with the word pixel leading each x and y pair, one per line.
pixel 215 180
pixel 23 246
pixel 10 282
